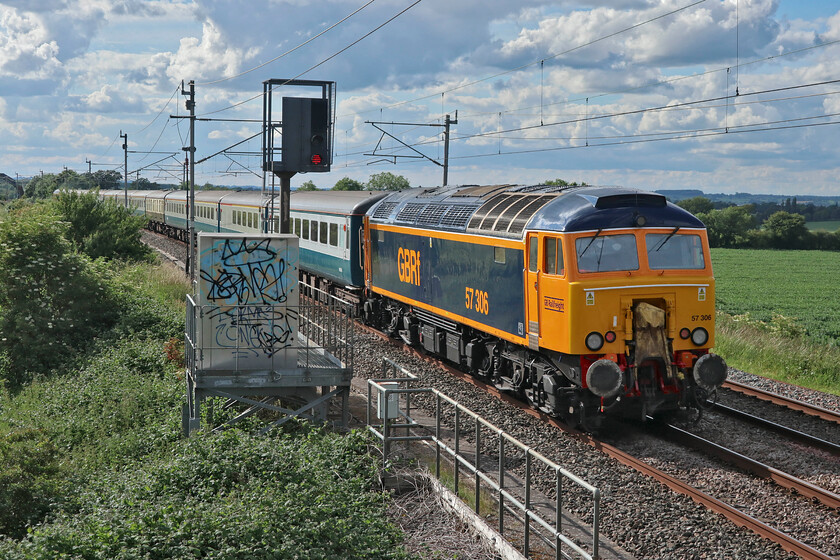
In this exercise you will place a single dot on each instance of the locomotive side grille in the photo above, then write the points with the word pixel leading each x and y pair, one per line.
pixel 410 211
pixel 384 210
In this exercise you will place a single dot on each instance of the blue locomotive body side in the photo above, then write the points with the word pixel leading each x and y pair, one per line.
pixel 454 276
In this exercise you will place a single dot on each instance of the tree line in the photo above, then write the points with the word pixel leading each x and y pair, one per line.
pixel 44 185
pixel 764 226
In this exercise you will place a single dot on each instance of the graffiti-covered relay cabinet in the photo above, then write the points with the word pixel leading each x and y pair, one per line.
pixel 249 299
pixel 253 339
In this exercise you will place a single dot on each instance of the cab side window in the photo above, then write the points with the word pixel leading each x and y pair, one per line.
pixel 532 254
pixel 553 251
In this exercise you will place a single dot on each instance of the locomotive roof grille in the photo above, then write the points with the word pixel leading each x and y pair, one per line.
pixel 384 210
pixel 519 222
pixel 458 216
pixel 509 212
pixel 432 214
pixel 410 211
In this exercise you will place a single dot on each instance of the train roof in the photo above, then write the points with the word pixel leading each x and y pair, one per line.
pixel 336 202
pixel 509 210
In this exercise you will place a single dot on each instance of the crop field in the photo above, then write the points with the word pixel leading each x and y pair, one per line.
pixel 792 291
pixel 831 226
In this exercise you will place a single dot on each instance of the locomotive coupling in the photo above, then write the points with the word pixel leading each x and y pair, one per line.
pixel 604 378
pixel 710 371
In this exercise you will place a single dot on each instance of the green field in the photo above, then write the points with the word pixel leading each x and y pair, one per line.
pixel 801 286
pixel 831 226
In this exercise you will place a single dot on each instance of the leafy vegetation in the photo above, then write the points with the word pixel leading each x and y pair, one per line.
pixel 229 496
pixel 386 181
pixel 91 460
pixel 101 228
pixel 783 226
pixel 769 349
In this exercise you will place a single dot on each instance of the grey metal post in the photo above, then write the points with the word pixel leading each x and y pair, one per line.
pixel 125 162
pixel 191 228
pixel 527 501
pixel 558 515
pixel 447 122
pixel 501 484
pixel 477 463
pixel 457 445
pixel 437 436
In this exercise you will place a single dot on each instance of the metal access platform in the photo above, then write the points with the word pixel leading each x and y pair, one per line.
pixel 252 341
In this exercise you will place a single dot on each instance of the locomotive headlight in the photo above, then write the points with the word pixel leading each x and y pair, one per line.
pixel 594 341
pixel 604 378
pixel 699 336
pixel 710 371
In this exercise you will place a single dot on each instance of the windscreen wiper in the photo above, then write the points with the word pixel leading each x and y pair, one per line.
pixel 591 242
pixel 664 241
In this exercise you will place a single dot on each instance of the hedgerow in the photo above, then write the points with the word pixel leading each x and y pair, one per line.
pixel 230 496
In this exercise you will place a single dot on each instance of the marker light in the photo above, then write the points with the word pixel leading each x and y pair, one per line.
pixel 316 159
pixel 594 341
pixel 609 336
pixel 684 333
pixel 699 336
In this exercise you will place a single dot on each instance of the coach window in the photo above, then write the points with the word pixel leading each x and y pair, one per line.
pixel 499 255
pixel 532 254
pixel 314 230
pixel 334 235
pixel 323 234
pixel 305 229
pixel 297 227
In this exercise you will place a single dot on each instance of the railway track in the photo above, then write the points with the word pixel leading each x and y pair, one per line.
pixel 681 437
pixel 781 400
pixel 786 541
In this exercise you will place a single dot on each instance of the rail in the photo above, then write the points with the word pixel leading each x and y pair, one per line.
pixel 395 418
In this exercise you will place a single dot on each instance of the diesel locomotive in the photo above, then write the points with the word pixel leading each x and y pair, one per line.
pixel 586 301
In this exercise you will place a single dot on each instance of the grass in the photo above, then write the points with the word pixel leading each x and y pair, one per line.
pixel 779 314
pixel 752 347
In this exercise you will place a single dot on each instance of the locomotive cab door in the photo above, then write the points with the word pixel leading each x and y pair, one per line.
pixel 532 290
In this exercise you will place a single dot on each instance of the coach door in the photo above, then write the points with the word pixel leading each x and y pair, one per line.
pixel 532 290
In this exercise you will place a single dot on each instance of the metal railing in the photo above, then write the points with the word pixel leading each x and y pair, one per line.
pixel 518 503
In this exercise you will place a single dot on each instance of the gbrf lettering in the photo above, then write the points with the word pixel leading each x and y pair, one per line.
pixel 408 266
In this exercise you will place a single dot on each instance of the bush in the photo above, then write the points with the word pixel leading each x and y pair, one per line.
pixel 29 480
pixel 52 302
pixel 101 228
pixel 230 496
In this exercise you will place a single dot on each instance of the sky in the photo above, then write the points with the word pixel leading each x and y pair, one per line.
pixel 723 96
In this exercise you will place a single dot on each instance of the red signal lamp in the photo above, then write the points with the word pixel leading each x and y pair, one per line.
pixel 316 159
